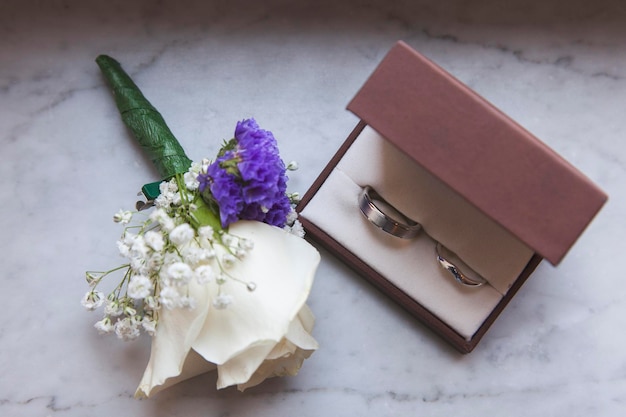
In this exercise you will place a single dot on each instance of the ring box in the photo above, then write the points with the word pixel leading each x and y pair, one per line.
pixel 476 181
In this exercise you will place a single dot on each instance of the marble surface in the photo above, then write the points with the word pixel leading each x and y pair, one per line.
pixel 67 163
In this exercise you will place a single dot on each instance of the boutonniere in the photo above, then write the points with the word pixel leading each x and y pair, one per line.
pixel 216 270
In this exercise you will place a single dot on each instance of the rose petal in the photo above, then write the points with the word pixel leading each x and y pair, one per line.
pixel 283 267
pixel 194 365
pixel 287 356
pixel 300 329
pixel 177 329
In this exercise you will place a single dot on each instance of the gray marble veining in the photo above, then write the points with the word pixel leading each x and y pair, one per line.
pixel 68 164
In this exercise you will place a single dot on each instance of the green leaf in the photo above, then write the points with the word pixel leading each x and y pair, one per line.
pixel 203 215
pixel 227 146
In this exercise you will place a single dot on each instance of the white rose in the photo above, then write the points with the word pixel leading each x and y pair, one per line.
pixel 263 333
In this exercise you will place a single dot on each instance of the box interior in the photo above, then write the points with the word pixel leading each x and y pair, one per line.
pixel 411 265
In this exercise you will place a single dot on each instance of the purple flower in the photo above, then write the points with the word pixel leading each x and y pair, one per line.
pixel 248 179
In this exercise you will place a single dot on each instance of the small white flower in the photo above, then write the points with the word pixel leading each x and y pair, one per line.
pixel 161 217
pixel 187 302
pixel 181 234
pixel 139 248
pixel 292 166
pixel 220 279
pixel 139 287
pixel 164 188
pixel 176 199
pixel 222 301
pixel 163 201
pixel 170 257
pixel 104 326
pixel 172 187
pixel 246 244
pixel 178 273
pixel 243 247
pixel 194 255
pixel 167 224
pixel 154 262
pixel 151 303
pixel 132 245
pixel 92 278
pixel 209 253
pixel 126 329
pixel 138 265
pixel 168 191
pixel 149 325
pixel 292 216
pixel 296 229
pixel 123 248
pixel 228 260
pixel 129 239
pixel 294 197
pixel 113 308
pixel 195 167
pixel 154 240
pixel 169 298
pixel 229 240
pixel 204 274
pixel 122 216
pixel 129 311
pixel 92 300
pixel 206 232
pixel 191 180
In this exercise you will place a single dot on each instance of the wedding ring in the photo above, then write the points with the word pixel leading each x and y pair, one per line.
pixel 459 276
pixel 383 215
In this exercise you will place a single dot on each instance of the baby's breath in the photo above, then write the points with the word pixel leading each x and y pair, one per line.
pixel 165 251
pixel 122 216
pixel 93 299
pixel 222 301
pixel 104 326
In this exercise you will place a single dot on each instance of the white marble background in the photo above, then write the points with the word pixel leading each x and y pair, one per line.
pixel 67 164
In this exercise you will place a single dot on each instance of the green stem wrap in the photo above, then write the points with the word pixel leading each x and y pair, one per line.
pixel 146 123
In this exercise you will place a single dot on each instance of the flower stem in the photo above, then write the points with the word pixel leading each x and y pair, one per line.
pixel 143 119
